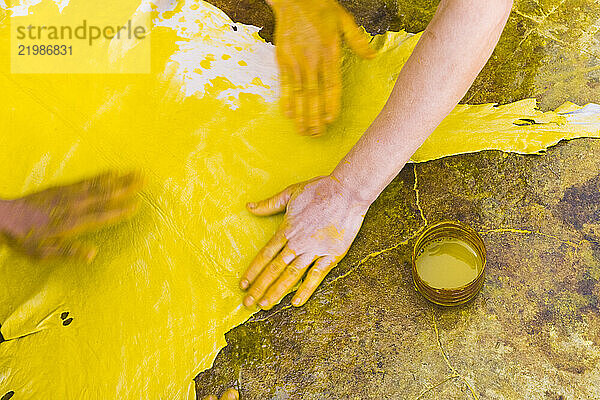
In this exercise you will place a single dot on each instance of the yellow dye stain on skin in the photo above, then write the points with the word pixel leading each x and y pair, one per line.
pixel 242 63
pixel 225 56
pixel 151 312
pixel 448 263
pixel 329 233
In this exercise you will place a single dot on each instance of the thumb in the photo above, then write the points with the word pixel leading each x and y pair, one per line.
pixel 355 37
pixel 272 205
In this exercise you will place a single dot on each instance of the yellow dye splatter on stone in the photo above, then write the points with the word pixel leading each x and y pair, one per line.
pixel 150 313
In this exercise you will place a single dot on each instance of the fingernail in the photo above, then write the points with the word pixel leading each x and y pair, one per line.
pixel 244 284
pixel 296 301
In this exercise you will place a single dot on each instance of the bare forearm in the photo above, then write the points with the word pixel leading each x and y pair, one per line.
pixel 451 52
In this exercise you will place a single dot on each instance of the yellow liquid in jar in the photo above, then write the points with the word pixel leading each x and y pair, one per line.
pixel 448 263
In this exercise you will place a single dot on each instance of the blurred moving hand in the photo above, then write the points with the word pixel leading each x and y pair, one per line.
pixel 307 44
pixel 321 221
pixel 46 224
pixel 230 394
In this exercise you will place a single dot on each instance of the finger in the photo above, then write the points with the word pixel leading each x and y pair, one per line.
pixel 114 182
pixel 332 82
pixel 286 100
pixel 315 276
pixel 71 249
pixel 64 194
pixel 268 275
pixel 210 397
pixel 292 274
pixel 112 192
pixel 100 188
pixel 264 256
pixel 356 38
pixel 314 122
pixel 300 93
pixel 274 204
pixel 230 394
pixel 79 250
pixel 79 224
pixel 296 99
pixel 93 184
pixel 299 114
pixel 283 285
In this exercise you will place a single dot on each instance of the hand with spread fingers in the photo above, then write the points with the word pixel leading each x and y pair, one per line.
pixel 46 224
pixel 324 215
pixel 307 44
pixel 230 394
pixel 321 220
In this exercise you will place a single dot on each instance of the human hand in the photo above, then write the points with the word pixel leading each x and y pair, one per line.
pixel 45 224
pixel 230 394
pixel 321 221
pixel 307 46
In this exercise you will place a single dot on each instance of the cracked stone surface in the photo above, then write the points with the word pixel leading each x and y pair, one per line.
pixel 534 330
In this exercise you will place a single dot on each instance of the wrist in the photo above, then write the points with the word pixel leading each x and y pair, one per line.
pixel 360 198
